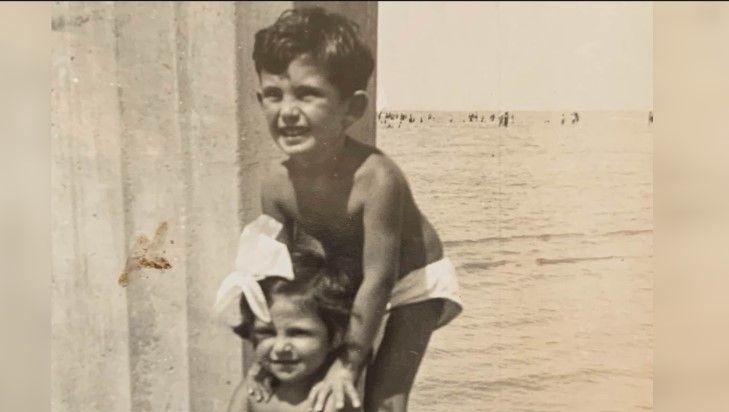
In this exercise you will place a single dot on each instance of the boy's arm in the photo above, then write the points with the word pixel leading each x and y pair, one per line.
pixel 382 220
pixel 270 204
pixel 382 216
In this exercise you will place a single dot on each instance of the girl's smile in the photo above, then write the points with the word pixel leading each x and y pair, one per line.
pixel 295 345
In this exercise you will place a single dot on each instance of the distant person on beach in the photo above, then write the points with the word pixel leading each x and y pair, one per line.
pixel 650 116
pixel 575 117
pixel 355 201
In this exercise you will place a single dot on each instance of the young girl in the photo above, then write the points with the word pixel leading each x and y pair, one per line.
pixel 308 319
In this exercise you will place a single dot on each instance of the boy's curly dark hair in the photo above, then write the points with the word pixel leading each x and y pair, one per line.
pixel 330 38
pixel 328 291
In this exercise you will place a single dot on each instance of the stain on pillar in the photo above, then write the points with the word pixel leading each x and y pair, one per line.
pixel 146 254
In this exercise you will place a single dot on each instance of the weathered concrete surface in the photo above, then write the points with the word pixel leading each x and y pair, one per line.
pixel 158 147
pixel 206 79
pixel 90 333
pixel 154 179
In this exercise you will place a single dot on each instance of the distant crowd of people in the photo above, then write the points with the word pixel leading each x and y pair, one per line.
pixel 575 118
pixel 396 119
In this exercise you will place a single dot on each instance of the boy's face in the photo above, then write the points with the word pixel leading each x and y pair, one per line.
pixel 295 345
pixel 306 114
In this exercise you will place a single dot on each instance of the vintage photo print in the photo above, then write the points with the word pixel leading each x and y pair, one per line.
pixel 424 206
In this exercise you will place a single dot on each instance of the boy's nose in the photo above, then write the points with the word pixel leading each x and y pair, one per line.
pixel 289 114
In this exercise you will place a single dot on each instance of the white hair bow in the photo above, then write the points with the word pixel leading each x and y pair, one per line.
pixel 259 255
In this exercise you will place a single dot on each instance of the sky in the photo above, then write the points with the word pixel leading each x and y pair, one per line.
pixel 514 56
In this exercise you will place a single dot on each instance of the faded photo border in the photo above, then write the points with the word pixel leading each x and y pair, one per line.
pixel 691 206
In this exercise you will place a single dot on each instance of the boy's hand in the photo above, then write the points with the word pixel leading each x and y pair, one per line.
pixel 337 384
pixel 259 383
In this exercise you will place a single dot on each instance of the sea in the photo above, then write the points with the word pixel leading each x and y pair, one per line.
pixel 550 225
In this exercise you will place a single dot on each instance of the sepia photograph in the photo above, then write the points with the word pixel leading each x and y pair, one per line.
pixel 352 206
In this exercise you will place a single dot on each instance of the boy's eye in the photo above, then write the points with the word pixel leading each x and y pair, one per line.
pixel 272 94
pixel 308 92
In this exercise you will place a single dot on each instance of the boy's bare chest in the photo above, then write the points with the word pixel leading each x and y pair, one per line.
pixel 327 207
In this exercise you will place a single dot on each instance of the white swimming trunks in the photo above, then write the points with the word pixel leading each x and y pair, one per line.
pixel 435 281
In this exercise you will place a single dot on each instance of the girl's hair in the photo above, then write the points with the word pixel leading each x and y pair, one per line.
pixel 330 38
pixel 325 289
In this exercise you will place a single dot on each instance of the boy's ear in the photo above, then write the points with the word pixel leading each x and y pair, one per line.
pixel 357 106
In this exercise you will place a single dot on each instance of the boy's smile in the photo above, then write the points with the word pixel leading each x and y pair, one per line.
pixel 305 112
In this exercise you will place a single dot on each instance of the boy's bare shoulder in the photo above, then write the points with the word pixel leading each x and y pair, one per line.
pixel 275 180
pixel 275 173
pixel 275 190
pixel 380 170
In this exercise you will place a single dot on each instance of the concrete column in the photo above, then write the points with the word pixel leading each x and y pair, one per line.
pixel 90 363
pixel 90 332
pixel 207 97
pixel 158 147
pixel 155 173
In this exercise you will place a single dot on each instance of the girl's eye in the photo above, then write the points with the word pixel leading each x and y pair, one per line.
pixel 263 332
pixel 299 332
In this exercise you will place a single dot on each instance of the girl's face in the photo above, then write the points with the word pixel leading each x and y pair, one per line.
pixel 295 344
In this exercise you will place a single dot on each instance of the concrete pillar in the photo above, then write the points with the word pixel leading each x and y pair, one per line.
pixel 158 146
pixel 90 332
pixel 207 114
pixel 155 182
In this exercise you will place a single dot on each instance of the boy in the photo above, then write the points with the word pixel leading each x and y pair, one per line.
pixel 354 201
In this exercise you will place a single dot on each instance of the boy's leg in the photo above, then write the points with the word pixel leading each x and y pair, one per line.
pixel 391 375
